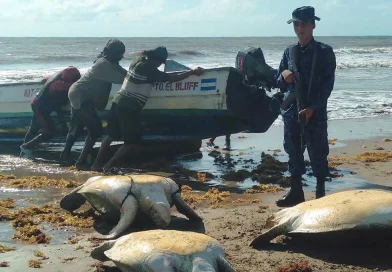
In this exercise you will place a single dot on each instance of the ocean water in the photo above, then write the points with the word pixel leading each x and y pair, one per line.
pixel 364 64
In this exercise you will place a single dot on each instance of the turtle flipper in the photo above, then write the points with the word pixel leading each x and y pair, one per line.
pixel 184 208
pixel 223 265
pixel 98 253
pixel 128 214
pixel 267 236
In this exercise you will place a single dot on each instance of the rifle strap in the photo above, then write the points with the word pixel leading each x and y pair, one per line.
pixel 294 51
pixel 312 71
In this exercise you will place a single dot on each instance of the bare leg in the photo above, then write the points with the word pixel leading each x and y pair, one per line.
pixel 210 143
pixel 120 154
pixel 103 150
pixel 227 142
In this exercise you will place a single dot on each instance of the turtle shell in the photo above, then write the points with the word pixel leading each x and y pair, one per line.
pixel 354 209
pixel 133 248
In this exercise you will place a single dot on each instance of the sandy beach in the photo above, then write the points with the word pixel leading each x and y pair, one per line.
pixel 239 218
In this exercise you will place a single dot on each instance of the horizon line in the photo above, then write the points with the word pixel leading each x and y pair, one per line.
pixel 160 37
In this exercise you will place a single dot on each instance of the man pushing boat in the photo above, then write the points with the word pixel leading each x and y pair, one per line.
pixel 51 98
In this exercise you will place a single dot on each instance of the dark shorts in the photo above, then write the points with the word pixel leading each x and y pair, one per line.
pixel 42 118
pixel 124 124
pixel 87 117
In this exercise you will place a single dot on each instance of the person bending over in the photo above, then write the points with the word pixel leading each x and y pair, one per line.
pixel 124 117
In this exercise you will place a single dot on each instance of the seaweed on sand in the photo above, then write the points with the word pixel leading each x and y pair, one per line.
pixel 35 182
pixel 8 203
pixel 4 249
pixel 35 263
pixel 263 188
pixel 31 234
pixel 5 214
pixel 301 266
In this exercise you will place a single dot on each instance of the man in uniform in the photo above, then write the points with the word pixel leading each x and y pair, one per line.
pixel 306 75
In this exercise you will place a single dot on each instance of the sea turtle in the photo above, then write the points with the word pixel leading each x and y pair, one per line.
pixel 335 218
pixel 164 251
pixel 149 194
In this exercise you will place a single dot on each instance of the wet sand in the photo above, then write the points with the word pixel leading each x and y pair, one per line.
pixel 236 224
pixel 377 172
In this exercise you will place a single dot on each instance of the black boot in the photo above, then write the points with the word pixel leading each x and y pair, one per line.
pixel 295 195
pixel 320 188
pixel 81 164
pixel 69 142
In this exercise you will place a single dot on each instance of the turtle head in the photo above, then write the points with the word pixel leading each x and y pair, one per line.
pixel 98 253
pixel 160 214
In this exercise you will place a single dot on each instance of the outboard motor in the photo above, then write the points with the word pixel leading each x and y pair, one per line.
pixel 251 63
pixel 246 92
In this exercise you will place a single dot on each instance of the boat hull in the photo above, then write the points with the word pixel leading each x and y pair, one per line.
pixel 215 104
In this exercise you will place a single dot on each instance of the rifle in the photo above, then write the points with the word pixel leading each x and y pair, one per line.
pixel 301 104
pixel 298 93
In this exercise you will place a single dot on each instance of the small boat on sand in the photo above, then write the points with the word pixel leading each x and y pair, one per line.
pixel 214 104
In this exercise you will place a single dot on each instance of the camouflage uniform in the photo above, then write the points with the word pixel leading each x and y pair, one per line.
pixel 315 132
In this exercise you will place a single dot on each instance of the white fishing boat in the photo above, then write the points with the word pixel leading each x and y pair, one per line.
pixel 214 104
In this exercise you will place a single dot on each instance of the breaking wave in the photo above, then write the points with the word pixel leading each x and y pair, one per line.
pixel 173 53
pixel 342 64
pixel 377 50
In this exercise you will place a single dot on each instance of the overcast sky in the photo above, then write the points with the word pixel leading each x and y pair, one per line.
pixel 188 18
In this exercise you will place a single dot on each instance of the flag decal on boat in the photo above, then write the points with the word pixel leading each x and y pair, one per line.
pixel 208 84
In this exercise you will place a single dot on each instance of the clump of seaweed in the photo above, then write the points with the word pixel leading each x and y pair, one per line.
pixel 269 171
pixel 22 221
pixel 198 175
pixel 4 249
pixel 213 196
pixel 186 188
pixel 51 213
pixel 216 198
pixel 8 203
pixel 269 163
pixel 7 177
pixel 40 254
pixel 36 182
pixel 31 234
pixel 301 266
pixel 333 165
pixel 72 240
pixel 263 188
pixel 5 214
pixel 36 210
pixel 35 263
pixel 367 157
pixel 67 220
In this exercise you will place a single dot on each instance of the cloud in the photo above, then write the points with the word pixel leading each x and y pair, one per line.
pixel 153 18
pixel 219 11
pixel 82 10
